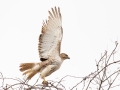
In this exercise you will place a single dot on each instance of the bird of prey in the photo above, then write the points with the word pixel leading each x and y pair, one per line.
pixel 48 47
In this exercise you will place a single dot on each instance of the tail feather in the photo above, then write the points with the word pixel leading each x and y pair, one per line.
pixel 29 69
pixel 26 66
pixel 30 73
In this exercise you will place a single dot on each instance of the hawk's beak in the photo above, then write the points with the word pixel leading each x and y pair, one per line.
pixel 68 58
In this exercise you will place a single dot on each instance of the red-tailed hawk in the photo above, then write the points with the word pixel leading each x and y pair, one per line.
pixel 48 47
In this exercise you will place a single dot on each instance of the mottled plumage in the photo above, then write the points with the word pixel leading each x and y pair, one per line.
pixel 48 48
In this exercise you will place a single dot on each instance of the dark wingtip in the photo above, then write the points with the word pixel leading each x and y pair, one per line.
pixel 43 59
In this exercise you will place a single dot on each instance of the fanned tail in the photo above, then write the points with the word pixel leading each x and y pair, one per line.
pixel 30 69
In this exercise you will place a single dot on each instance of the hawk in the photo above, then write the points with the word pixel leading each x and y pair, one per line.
pixel 48 48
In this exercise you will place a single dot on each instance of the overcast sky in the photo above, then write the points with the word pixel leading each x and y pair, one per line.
pixel 90 27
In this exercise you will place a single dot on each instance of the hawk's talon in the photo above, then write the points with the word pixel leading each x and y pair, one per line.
pixel 45 82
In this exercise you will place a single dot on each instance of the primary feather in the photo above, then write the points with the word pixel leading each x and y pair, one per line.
pixel 50 39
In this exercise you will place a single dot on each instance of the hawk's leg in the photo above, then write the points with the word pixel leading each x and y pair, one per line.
pixel 44 81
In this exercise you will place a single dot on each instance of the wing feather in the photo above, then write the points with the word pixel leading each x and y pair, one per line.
pixel 51 35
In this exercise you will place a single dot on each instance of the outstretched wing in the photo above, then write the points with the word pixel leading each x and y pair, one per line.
pixel 50 39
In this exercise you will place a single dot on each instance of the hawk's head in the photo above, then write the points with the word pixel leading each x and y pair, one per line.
pixel 64 56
